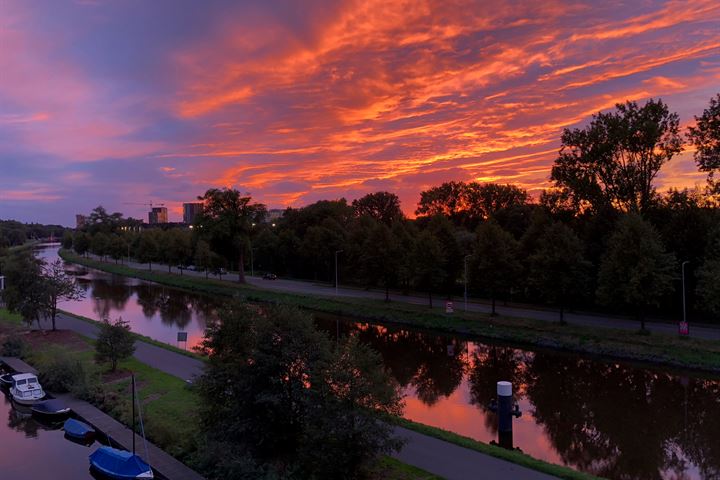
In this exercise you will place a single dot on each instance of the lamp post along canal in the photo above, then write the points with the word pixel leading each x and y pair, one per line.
pixel 466 279
pixel 684 325
pixel 336 270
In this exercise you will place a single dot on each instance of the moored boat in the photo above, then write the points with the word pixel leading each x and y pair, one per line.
pixel 26 390
pixel 119 464
pixel 6 380
pixel 78 430
pixel 51 409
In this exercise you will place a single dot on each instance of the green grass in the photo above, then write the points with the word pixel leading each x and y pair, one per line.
pixel 10 318
pixel 513 456
pixel 657 348
pixel 170 408
pixel 389 468
pixel 143 338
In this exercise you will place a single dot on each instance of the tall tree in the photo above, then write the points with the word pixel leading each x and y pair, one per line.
pixel 558 268
pixel 25 292
pixel 59 287
pixel 636 271
pixel 277 396
pixel 427 259
pixel 203 256
pixel 100 220
pixel 226 222
pixel 708 275
pixel 81 243
pixel 380 257
pixel 382 206
pixel 613 162
pixel 118 247
pixel 705 135
pixel 484 201
pixel 495 261
pixel 448 199
pixel 148 247
pixel 100 244
pixel 115 342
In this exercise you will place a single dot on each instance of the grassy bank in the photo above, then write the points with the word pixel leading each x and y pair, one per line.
pixel 143 338
pixel 170 407
pixel 620 344
pixel 513 456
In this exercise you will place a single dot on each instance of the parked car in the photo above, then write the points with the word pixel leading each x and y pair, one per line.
pixel 192 268
pixel 270 276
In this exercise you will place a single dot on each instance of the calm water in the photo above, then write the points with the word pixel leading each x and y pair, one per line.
pixel 33 450
pixel 152 310
pixel 613 419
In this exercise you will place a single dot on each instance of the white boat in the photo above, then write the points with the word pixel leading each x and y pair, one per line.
pixel 26 389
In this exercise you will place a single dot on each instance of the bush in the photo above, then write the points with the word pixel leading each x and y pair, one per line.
pixel 14 346
pixel 62 374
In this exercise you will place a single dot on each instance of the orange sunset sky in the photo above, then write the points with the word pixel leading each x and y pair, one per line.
pixel 106 102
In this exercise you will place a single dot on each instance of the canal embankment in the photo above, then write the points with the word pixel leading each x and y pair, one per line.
pixel 607 341
pixel 449 456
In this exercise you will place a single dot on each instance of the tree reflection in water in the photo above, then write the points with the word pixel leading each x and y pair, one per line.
pixel 432 365
pixel 614 420
pixel 490 364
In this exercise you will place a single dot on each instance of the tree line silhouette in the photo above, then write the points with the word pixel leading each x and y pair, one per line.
pixel 602 237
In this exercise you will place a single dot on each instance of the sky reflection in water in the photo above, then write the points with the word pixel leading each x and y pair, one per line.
pixel 612 419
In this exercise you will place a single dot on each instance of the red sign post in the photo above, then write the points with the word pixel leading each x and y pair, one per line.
pixel 683 329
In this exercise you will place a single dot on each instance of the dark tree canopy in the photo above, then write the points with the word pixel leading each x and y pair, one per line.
pixel 558 268
pixel 470 203
pixel 280 399
pixel 114 343
pixel 382 206
pixel 226 222
pixel 613 162
pixel 636 271
pixel 708 287
pixel 705 136
pixel 495 261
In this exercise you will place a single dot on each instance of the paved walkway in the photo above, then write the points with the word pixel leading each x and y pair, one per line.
pixel 441 458
pixel 582 319
pixel 175 364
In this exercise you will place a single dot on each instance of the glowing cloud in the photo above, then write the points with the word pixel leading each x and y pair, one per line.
pixel 295 102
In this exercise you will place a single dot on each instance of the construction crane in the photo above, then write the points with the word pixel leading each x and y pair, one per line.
pixel 145 204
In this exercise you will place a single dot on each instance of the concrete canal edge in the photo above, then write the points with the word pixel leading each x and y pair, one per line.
pixel 162 462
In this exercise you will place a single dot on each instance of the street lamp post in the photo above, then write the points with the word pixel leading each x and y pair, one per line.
pixel 466 279
pixel 682 268
pixel 252 262
pixel 336 270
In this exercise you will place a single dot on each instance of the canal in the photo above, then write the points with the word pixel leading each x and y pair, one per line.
pixel 614 419
pixel 30 449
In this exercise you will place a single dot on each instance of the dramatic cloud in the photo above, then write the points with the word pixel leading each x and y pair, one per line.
pixel 130 102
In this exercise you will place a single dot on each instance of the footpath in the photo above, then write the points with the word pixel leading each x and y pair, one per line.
pixel 590 320
pixel 438 457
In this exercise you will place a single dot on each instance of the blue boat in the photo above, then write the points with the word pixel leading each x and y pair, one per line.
pixel 119 464
pixel 77 429
pixel 51 408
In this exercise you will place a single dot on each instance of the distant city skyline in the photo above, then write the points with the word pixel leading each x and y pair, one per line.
pixel 107 103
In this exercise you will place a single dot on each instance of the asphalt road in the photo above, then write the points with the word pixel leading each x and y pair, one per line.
pixel 582 319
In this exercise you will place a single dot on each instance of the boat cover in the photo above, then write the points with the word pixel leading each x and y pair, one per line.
pixel 50 407
pixel 119 464
pixel 77 429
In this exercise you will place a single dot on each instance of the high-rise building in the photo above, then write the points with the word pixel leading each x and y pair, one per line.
pixel 80 221
pixel 190 211
pixel 157 215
